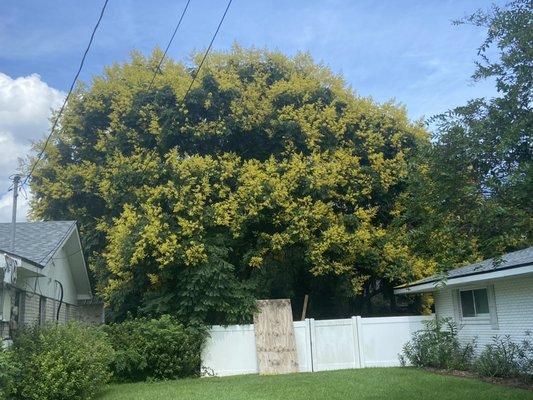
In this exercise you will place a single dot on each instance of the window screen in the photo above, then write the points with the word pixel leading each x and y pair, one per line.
pixel 474 302
pixel 481 301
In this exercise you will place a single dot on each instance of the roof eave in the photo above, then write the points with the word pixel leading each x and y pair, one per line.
pixel 466 280
pixel 83 261
pixel 28 267
pixel 26 260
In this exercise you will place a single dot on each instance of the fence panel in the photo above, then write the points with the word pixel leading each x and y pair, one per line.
pixel 383 338
pixel 334 344
pixel 230 351
pixel 303 345
pixel 321 345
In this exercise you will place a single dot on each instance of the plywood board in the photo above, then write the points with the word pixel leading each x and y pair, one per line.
pixel 274 337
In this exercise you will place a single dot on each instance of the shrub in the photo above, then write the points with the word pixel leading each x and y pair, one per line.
pixel 7 373
pixel 505 359
pixel 437 346
pixel 500 358
pixel 525 356
pixel 57 362
pixel 155 349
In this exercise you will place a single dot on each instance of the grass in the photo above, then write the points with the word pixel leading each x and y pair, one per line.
pixel 361 384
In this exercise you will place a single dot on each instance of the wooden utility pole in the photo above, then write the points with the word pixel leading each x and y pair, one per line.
pixel 304 311
pixel 16 180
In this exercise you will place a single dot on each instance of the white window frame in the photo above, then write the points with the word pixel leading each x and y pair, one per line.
pixel 489 318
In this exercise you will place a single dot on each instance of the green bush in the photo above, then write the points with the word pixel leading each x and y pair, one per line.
pixel 60 362
pixel 506 359
pixel 155 349
pixel 437 346
pixel 525 356
pixel 500 358
pixel 7 373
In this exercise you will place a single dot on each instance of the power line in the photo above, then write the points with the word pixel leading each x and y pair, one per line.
pixel 54 125
pixel 207 51
pixel 195 75
pixel 7 191
pixel 158 68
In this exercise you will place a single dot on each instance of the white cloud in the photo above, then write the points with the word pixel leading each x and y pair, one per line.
pixel 25 108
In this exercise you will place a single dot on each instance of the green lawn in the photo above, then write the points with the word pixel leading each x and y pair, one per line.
pixel 362 384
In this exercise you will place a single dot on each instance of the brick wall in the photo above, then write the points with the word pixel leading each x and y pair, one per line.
pixel 71 312
pixel 4 331
pixel 30 311
pixel 91 313
pixel 514 311
pixel 50 310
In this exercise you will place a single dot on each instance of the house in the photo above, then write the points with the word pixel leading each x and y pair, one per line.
pixel 485 299
pixel 44 278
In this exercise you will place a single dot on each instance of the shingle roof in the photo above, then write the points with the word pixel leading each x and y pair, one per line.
pixel 36 241
pixel 509 260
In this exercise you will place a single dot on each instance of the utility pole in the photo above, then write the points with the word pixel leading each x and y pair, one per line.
pixel 16 180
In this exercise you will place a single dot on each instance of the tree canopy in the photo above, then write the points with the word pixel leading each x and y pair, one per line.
pixel 271 178
pixel 470 198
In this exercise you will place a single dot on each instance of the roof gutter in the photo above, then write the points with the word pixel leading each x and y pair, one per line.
pixel 480 276
pixel 9 253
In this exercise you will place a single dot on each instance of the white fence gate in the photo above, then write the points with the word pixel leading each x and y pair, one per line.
pixel 321 345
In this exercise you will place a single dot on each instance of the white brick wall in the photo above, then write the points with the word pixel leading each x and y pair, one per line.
pixel 514 308
pixel 72 312
pixel 30 312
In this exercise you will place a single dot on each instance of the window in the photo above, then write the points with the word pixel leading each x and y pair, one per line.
pixel 42 310
pixel 474 303
pixel 1 303
pixel 17 312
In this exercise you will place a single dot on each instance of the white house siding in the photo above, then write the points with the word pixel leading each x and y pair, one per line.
pixel 57 270
pixel 514 308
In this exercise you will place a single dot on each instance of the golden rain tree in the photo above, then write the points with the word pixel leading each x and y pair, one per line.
pixel 271 178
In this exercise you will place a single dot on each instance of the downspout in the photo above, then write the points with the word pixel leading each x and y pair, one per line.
pixel 60 301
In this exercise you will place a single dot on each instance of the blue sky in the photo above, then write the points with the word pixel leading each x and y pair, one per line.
pixel 407 50
pixel 403 49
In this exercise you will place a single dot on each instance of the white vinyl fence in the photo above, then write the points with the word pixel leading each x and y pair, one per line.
pixel 321 345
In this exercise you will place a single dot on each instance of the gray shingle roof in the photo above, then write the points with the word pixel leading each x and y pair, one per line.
pixel 509 260
pixel 36 241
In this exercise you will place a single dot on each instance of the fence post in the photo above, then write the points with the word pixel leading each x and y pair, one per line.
pixel 355 340
pixel 360 341
pixel 308 348
pixel 312 342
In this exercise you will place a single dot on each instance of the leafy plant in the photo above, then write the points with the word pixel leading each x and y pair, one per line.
pixel 472 199
pixel 155 349
pixel 438 346
pixel 505 358
pixel 525 355
pixel 270 167
pixel 7 374
pixel 60 362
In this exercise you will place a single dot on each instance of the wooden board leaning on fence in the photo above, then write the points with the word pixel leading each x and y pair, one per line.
pixel 274 337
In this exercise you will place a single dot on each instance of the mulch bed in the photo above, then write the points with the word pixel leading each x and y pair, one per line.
pixel 511 382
